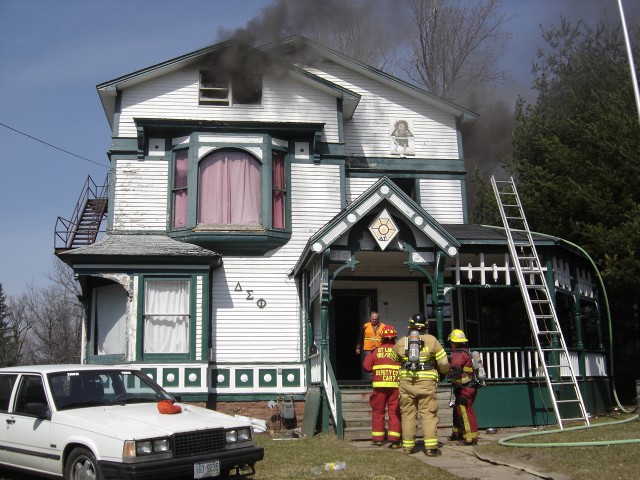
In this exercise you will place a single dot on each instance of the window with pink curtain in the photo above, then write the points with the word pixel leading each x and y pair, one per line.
pixel 180 189
pixel 279 189
pixel 229 189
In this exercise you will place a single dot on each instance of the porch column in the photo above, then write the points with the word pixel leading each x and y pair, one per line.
pixel 324 322
pixel 577 318
pixel 438 296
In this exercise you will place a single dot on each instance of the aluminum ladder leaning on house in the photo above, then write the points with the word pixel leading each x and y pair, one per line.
pixel 550 344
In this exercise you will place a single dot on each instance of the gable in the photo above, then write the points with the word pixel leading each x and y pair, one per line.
pixel 383 192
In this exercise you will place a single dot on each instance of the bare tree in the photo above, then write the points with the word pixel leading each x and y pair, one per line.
pixel 49 320
pixel 456 46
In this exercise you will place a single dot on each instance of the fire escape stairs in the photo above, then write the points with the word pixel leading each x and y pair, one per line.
pixel 84 226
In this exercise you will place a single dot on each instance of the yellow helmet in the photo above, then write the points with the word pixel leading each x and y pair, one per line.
pixel 457 336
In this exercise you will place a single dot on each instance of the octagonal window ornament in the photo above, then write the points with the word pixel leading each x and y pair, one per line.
pixel 383 229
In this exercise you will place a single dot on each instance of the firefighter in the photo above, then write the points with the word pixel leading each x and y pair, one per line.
pixel 385 389
pixel 422 361
pixel 465 387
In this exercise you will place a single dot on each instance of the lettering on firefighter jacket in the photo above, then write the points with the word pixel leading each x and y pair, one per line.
pixel 384 368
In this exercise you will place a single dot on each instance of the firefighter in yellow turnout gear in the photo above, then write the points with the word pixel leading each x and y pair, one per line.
pixel 422 361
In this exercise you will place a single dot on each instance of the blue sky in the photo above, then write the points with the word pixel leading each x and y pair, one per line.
pixel 53 53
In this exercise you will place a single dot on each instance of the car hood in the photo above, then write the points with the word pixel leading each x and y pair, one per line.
pixel 136 421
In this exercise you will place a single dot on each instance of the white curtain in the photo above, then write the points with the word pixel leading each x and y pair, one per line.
pixel 110 311
pixel 166 316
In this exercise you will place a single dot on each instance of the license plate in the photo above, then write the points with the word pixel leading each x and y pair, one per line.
pixel 206 469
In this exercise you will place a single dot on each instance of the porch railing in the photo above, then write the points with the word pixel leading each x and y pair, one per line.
pixel 504 364
pixel 322 373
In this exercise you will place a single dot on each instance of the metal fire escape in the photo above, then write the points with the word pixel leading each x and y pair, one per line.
pixel 561 381
pixel 84 226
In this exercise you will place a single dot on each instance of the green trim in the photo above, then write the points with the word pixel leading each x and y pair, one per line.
pixel 193 383
pixel 223 372
pixel 432 167
pixel 239 372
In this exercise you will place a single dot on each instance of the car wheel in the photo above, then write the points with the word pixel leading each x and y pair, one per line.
pixel 82 465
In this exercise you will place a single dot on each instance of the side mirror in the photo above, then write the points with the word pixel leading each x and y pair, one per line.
pixel 38 409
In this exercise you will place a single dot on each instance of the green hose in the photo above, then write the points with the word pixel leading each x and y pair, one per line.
pixel 505 441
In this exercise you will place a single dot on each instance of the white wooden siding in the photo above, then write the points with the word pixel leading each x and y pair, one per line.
pixel 274 332
pixel 175 96
pixel 356 186
pixel 442 199
pixel 368 133
pixel 140 197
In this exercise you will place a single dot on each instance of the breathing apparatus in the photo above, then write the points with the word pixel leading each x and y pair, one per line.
pixel 478 368
pixel 417 322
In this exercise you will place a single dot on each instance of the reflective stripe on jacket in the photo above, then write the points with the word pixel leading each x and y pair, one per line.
pixel 372 337
pixel 384 368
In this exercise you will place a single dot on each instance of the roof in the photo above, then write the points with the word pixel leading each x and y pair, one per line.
pixel 108 90
pixel 298 42
pixel 149 248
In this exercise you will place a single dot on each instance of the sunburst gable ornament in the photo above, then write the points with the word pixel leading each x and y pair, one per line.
pixel 383 229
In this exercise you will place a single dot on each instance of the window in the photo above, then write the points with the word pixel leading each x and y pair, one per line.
pixel 167 316
pixel 180 176
pixel 7 381
pixel 279 190
pixel 229 189
pixel 221 89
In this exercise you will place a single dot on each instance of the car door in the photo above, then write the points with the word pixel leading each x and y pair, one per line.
pixel 7 382
pixel 27 429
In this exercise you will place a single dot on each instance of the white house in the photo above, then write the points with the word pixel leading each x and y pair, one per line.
pixel 262 201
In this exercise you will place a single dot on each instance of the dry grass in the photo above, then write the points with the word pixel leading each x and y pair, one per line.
pixel 294 459
pixel 611 462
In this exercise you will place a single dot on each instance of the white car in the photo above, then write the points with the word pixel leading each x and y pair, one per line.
pixel 99 422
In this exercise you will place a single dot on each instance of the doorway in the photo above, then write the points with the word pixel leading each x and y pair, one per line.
pixel 349 311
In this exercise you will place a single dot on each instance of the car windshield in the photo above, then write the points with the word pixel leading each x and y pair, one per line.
pixel 90 388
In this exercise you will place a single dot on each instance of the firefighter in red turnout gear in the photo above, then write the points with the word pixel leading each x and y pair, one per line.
pixel 465 388
pixel 385 390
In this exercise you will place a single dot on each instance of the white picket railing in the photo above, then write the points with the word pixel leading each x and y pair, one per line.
pixel 515 364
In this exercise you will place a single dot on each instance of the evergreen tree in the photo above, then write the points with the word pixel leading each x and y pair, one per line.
pixel 576 161
pixel 8 334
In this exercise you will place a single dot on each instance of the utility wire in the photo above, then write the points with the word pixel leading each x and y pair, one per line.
pixel 53 146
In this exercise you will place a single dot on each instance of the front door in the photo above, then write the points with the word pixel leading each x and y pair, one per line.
pixel 349 311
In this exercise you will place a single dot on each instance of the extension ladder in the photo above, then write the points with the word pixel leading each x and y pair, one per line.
pixel 552 350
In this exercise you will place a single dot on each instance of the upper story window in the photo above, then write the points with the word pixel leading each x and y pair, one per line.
pixel 229 189
pixel 221 89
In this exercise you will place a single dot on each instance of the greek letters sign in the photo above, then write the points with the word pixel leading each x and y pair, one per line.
pixel 260 302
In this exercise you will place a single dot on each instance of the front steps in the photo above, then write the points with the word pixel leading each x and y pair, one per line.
pixel 356 411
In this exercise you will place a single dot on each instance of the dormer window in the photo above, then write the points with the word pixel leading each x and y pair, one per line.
pixel 221 89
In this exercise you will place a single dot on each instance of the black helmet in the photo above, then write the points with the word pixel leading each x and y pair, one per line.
pixel 418 321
